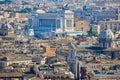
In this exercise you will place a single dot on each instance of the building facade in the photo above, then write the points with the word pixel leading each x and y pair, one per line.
pixel 48 23
pixel 114 25
pixel 113 3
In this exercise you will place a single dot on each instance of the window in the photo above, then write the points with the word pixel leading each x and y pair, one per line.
pixel 58 24
pixel 69 23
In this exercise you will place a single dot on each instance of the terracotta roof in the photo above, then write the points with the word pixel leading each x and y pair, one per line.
pixel 113 49
pixel 11 74
pixel 50 51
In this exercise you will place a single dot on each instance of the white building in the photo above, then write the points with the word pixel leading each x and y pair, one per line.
pixel 47 23
pixel 114 25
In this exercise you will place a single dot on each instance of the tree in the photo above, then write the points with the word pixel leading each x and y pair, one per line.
pixel 92 33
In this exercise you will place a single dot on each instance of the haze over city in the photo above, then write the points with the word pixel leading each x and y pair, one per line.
pixel 59 39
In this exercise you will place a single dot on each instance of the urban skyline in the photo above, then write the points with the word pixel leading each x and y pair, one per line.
pixel 59 39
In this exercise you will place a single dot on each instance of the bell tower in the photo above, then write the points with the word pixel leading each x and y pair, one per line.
pixel 72 60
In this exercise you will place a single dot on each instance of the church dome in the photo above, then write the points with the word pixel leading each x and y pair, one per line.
pixel 40 11
pixel 106 34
